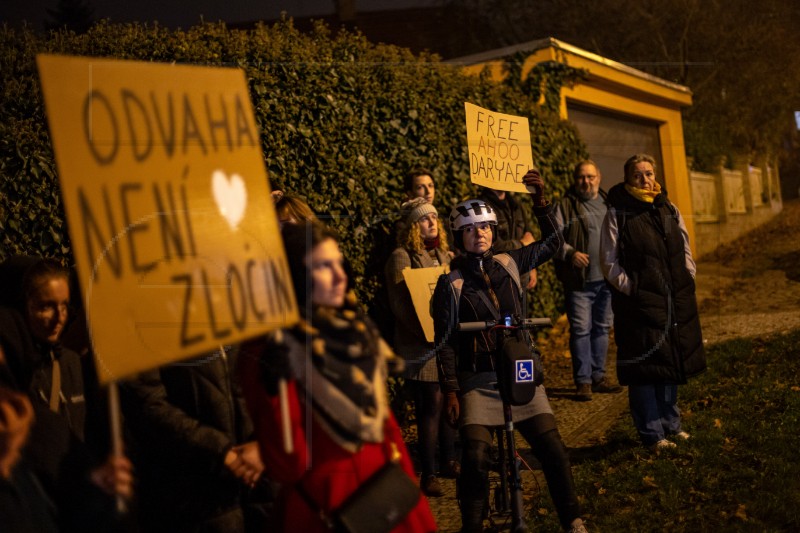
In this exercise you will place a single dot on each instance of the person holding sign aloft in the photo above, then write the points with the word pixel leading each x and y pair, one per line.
pixel 329 438
pixel 513 228
pixel 483 286
pixel 74 473
pixel 421 243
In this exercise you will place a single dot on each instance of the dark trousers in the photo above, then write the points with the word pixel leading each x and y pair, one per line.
pixel 541 434
pixel 432 426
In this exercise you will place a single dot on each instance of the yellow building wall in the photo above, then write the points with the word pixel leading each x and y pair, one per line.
pixel 619 89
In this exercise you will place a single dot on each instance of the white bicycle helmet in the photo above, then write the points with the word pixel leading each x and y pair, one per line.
pixel 471 212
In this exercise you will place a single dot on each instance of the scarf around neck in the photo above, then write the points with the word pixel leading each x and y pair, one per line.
pixel 346 378
pixel 643 194
pixel 431 244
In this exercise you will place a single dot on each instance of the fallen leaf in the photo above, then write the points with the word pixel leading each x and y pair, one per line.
pixel 717 423
pixel 649 481
pixel 740 513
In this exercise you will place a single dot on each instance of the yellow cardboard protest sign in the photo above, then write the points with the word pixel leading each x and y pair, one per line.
pixel 499 149
pixel 173 230
pixel 421 283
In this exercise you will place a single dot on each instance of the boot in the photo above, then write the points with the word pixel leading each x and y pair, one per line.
pixel 472 516
pixel 583 392
pixel 473 485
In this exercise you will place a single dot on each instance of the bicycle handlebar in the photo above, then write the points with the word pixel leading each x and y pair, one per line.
pixel 537 322
pixel 476 326
pixel 526 323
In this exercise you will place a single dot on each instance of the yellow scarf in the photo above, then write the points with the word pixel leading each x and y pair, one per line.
pixel 643 194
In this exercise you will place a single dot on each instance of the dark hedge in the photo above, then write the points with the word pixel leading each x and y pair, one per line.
pixel 341 122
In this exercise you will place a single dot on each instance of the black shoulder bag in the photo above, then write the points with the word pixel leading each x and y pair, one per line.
pixel 377 506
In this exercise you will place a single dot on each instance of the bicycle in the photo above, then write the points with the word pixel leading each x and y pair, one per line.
pixel 510 374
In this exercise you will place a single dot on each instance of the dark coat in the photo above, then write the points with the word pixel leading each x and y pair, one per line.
pixel 53 473
pixel 183 418
pixel 470 352
pixel 657 326
pixel 576 234
pixel 31 369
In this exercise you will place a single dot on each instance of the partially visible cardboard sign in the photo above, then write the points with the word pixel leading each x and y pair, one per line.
pixel 421 283
pixel 499 149
pixel 173 230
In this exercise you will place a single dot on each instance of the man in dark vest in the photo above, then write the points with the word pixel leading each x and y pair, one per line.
pixel 580 216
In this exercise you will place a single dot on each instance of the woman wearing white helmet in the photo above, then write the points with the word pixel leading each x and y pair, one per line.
pixel 466 366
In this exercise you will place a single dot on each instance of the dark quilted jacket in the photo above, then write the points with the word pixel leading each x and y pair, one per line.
pixel 182 420
pixel 657 327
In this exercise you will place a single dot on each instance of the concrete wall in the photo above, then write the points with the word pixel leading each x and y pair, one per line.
pixel 732 201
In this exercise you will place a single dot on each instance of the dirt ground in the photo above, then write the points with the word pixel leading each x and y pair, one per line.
pixel 751 287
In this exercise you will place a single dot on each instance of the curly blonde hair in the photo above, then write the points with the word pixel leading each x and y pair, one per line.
pixel 410 238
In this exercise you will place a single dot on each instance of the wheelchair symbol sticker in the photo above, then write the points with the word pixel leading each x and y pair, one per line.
pixel 524 373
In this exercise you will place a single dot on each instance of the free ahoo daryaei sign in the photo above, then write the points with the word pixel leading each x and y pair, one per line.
pixel 173 230
pixel 499 147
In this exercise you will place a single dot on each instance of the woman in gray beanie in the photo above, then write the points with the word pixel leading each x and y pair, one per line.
pixel 421 243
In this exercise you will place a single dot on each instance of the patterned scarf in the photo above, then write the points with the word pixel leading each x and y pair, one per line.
pixel 346 380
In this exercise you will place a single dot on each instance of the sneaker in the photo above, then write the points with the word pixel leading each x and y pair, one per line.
pixel 430 487
pixel 683 435
pixel 583 392
pixel 451 470
pixel 603 386
pixel 661 445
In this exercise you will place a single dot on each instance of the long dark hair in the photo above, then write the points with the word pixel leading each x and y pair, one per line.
pixel 298 240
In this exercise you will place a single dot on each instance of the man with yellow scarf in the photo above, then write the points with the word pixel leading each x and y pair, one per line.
pixel 644 246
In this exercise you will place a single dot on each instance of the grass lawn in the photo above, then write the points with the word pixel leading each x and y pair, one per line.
pixel 740 471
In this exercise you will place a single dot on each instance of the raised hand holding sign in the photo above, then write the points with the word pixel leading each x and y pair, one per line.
pixel 499 149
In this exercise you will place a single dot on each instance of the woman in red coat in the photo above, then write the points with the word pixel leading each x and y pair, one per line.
pixel 340 431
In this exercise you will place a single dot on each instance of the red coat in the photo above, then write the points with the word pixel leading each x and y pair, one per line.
pixel 329 472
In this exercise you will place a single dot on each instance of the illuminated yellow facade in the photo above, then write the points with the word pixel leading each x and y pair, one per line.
pixel 614 88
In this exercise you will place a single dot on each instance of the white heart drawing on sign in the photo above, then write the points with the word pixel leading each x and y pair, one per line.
pixel 230 195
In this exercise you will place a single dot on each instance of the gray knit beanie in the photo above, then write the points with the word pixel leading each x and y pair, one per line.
pixel 415 209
